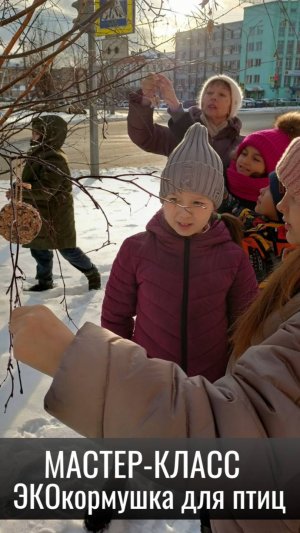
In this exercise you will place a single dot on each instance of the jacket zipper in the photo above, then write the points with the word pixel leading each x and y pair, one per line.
pixel 184 306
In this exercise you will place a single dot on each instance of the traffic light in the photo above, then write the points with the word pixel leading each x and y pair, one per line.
pixel 84 8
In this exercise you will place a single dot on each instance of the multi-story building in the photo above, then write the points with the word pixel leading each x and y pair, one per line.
pixel 262 52
pixel 270 50
pixel 132 69
pixel 200 54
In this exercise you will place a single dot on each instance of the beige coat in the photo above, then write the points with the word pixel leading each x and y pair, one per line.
pixel 128 395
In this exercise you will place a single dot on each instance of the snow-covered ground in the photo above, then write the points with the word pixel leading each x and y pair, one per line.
pixel 25 416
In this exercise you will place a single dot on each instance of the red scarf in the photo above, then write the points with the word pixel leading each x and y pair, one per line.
pixel 244 187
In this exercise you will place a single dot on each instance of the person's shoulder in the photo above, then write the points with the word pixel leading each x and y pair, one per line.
pixel 136 240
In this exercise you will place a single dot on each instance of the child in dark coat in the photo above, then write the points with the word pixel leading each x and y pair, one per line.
pixel 264 232
pixel 48 173
pixel 176 288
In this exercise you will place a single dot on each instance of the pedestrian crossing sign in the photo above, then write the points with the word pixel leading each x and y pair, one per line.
pixel 116 20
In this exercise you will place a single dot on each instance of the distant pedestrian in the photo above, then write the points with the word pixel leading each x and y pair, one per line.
pixel 48 173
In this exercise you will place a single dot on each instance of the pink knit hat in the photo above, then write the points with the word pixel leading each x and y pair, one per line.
pixel 270 144
pixel 288 168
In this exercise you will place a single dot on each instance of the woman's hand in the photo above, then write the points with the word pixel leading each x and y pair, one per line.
pixel 150 90
pixel 167 92
pixel 39 337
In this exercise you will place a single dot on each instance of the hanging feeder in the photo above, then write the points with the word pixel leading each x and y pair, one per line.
pixel 19 222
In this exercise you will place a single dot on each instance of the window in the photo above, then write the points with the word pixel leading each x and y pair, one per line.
pixel 250 47
pixel 256 78
pixel 292 29
pixel 290 47
pixel 257 62
pixel 259 45
pixel 237 34
pixel 249 78
pixel 280 47
pixel 288 64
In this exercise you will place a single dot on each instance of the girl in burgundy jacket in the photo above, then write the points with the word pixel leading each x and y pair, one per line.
pixel 178 287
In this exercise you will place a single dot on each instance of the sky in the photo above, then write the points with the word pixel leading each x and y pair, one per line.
pixel 176 14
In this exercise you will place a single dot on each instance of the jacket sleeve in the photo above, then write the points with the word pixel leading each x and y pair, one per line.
pixel 243 289
pixel 119 304
pixel 128 395
pixel 46 179
pixel 144 133
pixel 179 123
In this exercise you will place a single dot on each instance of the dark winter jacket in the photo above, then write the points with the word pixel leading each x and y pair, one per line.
pixel 162 140
pixel 47 171
pixel 184 292
pixel 224 143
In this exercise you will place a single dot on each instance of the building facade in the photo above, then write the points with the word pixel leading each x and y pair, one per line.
pixel 200 54
pixel 270 50
pixel 261 52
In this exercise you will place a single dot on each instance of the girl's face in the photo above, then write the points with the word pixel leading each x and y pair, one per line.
pixel 216 102
pixel 250 162
pixel 265 205
pixel 187 213
pixel 289 206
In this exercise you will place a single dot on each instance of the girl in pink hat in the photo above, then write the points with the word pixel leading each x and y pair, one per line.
pixel 256 157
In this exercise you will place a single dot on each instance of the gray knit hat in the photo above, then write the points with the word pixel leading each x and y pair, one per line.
pixel 236 92
pixel 194 166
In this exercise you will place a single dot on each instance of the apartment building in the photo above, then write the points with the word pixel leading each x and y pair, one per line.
pixel 200 54
pixel 261 52
pixel 270 50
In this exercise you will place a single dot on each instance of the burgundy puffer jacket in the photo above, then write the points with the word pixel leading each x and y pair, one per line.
pixel 184 292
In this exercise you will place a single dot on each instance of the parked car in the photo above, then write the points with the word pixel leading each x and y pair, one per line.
pixel 188 103
pixel 248 102
pixel 125 103
pixel 263 102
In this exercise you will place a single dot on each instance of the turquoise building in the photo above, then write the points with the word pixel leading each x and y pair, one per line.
pixel 270 50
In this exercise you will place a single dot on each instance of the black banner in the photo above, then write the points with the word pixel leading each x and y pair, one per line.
pixel 250 479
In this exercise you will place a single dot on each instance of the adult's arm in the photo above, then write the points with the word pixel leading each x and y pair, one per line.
pixel 151 137
pixel 181 121
pixel 119 304
pixel 128 395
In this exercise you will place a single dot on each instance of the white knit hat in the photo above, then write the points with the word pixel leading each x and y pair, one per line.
pixel 194 166
pixel 236 92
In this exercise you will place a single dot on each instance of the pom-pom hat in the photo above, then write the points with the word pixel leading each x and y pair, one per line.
pixel 270 144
